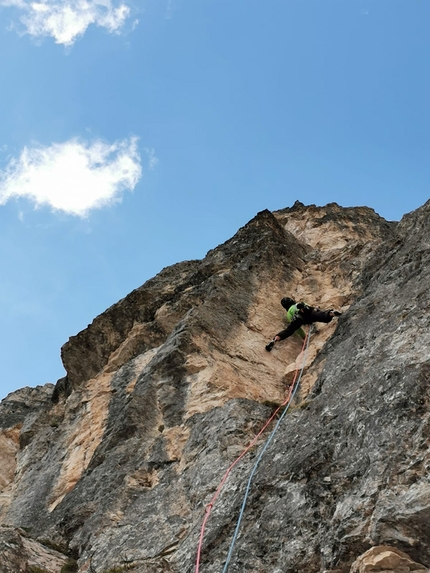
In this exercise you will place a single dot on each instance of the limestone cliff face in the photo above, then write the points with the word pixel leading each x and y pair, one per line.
pixel 113 467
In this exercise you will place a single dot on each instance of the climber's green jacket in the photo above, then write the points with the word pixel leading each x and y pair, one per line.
pixel 291 314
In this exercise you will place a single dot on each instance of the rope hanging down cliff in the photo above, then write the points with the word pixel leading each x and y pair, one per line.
pixel 266 445
pixel 209 507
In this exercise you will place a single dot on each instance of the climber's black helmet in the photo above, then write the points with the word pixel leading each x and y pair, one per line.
pixel 287 302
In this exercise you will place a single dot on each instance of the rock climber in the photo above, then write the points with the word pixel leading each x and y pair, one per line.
pixel 299 314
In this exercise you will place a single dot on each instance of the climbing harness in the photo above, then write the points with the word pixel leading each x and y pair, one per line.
pixel 209 507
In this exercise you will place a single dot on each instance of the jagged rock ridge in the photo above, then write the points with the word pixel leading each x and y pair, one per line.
pixel 165 388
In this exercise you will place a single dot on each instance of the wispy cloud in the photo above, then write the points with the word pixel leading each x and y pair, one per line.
pixel 66 20
pixel 74 177
pixel 152 159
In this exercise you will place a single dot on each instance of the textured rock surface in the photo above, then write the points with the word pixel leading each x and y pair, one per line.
pixel 165 388
pixel 19 554
pixel 384 559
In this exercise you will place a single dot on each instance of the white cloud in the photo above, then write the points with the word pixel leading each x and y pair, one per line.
pixel 66 20
pixel 74 177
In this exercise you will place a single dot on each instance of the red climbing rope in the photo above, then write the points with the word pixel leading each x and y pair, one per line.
pixel 227 473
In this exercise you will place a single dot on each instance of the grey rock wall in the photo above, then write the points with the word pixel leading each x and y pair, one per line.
pixel 166 387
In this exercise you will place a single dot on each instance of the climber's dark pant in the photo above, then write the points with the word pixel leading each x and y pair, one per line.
pixel 315 316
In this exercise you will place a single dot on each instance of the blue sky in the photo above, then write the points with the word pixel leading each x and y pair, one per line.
pixel 134 135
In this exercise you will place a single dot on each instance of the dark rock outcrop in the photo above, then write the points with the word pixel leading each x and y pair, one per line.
pixel 20 554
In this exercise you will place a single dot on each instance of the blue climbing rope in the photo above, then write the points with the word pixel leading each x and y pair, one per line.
pixel 266 445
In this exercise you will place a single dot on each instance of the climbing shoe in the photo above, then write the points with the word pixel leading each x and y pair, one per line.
pixel 336 313
pixel 270 345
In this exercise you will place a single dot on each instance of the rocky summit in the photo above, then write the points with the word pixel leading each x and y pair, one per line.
pixel 115 467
